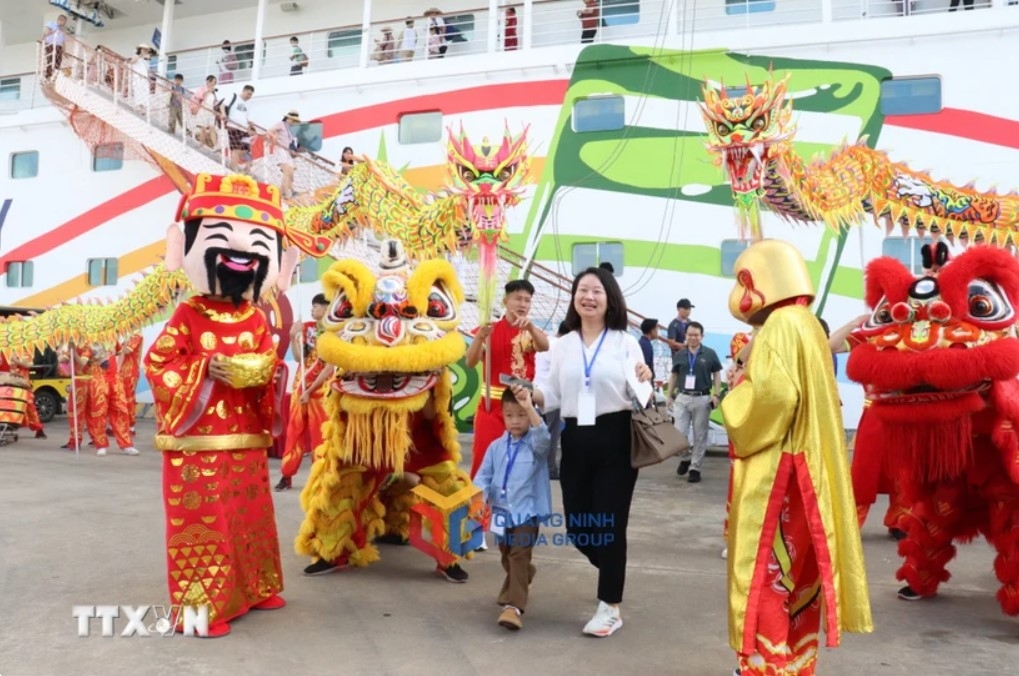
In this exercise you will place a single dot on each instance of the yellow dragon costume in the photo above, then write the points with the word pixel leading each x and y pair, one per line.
pixel 392 337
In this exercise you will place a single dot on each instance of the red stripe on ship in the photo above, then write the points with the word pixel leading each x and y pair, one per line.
pixel 548 92
pixel 79 225
pixel 966 124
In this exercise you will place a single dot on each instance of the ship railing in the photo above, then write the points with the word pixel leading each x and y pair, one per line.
pixel 543 23
pixel 148 96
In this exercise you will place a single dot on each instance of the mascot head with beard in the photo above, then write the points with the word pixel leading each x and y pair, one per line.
pixel 234 243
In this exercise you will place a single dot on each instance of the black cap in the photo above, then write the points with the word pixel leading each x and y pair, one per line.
pixel 684 303
pixel 647 325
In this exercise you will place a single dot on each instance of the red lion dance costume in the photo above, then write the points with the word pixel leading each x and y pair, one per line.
pixel 940 360
pixel 217 383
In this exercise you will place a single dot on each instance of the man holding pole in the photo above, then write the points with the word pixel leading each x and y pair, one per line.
pixel 508 347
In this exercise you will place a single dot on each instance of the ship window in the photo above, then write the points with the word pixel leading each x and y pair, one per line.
pixel 10 88
pixel 344 41
pixel 749 6
pixel 620 12
pixel 911 95
pixel 308 135
pixel 20 273
pixel 731 249
pixel 171 66
pixel 599 113
pixel 459 27
pixel 308 271
pixel 102 271
pixel 108 157
pixel 906 250
pixel 25 165
pixel 420 127
pixel 592 254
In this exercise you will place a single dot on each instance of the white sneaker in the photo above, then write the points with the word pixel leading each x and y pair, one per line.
pixel 725 553
pixel 130 450
pixel 605 621
pixel 101 451
pixel 484 545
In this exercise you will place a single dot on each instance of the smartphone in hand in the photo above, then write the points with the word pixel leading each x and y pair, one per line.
pixel 511 380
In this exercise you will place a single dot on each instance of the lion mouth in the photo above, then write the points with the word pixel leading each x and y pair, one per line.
pixel 745 166
pixel 921 394
pixel 385 385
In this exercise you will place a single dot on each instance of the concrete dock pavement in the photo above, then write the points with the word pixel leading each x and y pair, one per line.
pixel 89 531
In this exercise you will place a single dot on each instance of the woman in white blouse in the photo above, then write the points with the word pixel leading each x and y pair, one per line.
pixel 588 384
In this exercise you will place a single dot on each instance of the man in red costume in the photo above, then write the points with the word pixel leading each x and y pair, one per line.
pixel 795 558
pixel 21 367
pixel 307 399
pixel 77 406
pixel 514 340
pixel 105 402
pixel 129 356
pixel 216 383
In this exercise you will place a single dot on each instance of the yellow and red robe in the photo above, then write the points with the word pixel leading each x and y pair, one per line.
pixel 304 429
pixel 221 541
pixel 791 480
pixel 128 372
pixel 32 420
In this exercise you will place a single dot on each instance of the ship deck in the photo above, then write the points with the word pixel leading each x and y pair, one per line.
pixel 90 531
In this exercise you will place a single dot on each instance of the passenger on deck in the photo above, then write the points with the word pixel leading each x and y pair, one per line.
pixel 282 146
pixel 227 63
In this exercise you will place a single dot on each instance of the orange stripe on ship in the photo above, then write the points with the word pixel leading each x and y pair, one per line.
pixel 128 264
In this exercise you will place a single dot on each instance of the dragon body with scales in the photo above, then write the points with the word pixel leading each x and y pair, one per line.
pixel 484 181
pixel 751 136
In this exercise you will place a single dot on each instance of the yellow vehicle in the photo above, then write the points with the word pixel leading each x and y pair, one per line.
pixel 50 387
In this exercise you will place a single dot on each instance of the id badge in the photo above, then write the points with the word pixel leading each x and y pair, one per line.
pixel 690 383
pixel 585 408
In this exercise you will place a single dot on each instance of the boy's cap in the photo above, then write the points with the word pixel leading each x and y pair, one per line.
pixel 684 304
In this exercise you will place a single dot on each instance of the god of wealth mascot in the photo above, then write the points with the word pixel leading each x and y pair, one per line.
pixel 795 556
pixel 392 336
pixel 217 384
pixel 939 357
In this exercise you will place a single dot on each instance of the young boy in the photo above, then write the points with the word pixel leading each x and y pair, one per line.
pixel 177 96
pixel 514 479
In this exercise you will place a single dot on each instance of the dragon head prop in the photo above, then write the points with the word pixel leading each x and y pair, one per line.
pixel 935 349
pixel 491 177
pixel 746 130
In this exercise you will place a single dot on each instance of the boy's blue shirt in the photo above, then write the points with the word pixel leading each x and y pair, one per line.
pixel 528 487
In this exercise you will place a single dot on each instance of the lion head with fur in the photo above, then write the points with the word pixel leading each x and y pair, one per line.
pixel 392 335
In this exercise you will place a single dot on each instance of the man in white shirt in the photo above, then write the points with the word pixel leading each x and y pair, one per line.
pixel 233 110
pixel 53 39
pixel 542 368
pixel 408 41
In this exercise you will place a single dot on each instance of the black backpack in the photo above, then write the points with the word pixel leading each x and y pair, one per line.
pixel 225 110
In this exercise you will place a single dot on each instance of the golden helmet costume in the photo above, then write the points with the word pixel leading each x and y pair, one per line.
pixel 392 336
pixel 795 556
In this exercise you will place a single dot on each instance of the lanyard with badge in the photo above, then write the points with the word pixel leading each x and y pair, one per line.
pixel 586 408
pixel 691 378
pixel 497 527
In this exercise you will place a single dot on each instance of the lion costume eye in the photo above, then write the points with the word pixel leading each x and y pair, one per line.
pixel 440 305
pixel 341 309
pixel 882 315
pixel 759 123
pixel 722 129
pixel 467 174
pixel 987 303
pixel 506 174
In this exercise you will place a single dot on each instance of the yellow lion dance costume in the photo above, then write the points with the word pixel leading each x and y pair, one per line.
pixel 392 337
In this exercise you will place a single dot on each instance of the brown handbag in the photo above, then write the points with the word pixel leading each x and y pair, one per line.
pixel 653 436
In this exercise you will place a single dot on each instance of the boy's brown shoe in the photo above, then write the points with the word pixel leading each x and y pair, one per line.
pixel 510 618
